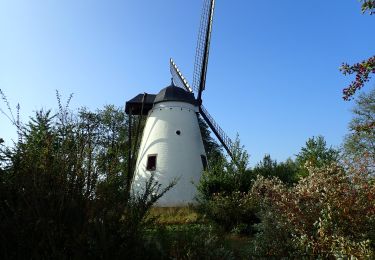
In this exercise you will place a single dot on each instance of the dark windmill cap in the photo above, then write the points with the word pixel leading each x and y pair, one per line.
pixel 173 93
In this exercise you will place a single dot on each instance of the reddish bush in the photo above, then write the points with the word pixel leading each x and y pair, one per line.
pixel 330 213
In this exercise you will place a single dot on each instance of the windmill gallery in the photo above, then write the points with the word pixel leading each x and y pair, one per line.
pixel 171 147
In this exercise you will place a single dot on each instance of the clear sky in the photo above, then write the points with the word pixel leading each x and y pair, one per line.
pixel 273 72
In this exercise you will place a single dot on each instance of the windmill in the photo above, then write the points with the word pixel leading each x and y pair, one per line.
pixel 171 145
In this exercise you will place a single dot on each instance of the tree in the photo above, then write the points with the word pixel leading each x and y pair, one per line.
pixel 285 171
pixel 63 192
pixel 368 6
pixel 213 150
pixel 315 153
pixel 363 69
pixel 360 143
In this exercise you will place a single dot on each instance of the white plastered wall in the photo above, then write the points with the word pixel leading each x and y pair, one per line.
pixel 178 156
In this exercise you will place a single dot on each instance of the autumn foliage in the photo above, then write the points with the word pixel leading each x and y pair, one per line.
pixel 362 70
pixel 330 213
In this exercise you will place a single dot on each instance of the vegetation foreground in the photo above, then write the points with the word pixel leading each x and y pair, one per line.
pixel 65 192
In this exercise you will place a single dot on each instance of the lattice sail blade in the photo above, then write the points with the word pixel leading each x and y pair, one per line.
pixel 203 47
pixel 220 134
pixel 177 77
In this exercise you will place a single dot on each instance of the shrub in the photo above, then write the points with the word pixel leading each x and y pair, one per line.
pixel 235 212
pixel 330 213
pixel 226 175
pixel 63 189
pixel 187 242
pixel 222 193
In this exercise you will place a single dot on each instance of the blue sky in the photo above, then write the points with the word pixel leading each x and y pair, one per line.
pixel 273 72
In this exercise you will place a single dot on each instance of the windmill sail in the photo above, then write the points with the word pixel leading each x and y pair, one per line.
pixel 203 47
pixel 220 134
pixel 177 77
pixel 200 71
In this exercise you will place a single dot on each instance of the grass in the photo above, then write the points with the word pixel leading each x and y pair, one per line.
pixel 175 215
pixel 181 226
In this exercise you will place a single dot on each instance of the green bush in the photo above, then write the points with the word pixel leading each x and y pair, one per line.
pixel 234 212
pixel 64 193
pixel 226 175
pixel 222 193
pixel 193 241
pixel 224 196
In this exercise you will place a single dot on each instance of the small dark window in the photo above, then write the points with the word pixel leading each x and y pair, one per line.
pixel 178 132
pixel 204 162
pixel 151 163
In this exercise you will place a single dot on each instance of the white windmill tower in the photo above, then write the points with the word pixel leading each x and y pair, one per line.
pixel 171 147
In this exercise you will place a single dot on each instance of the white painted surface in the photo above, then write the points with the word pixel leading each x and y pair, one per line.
pixel 178 156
